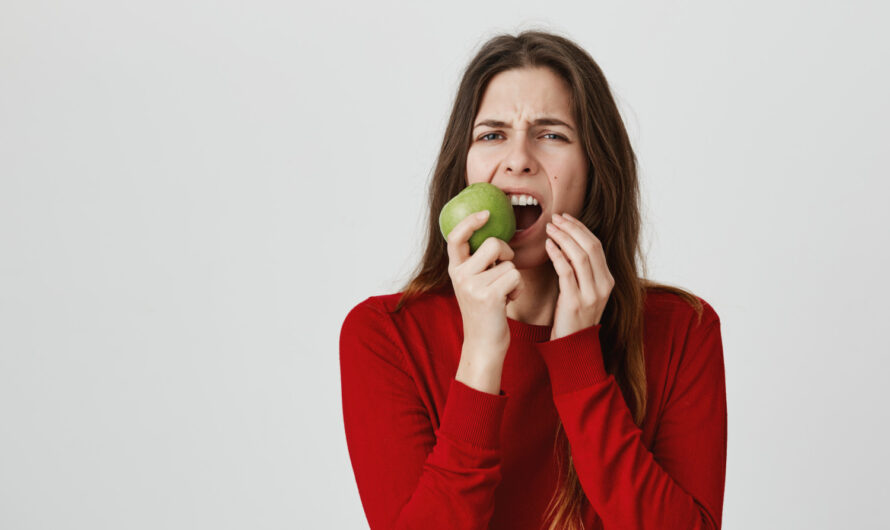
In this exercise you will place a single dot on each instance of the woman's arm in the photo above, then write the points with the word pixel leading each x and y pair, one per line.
pixel 408 474
pixel 680 483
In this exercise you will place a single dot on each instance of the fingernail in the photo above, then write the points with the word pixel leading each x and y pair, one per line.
pixel 567 216
pixel 482 215
pixel 557 218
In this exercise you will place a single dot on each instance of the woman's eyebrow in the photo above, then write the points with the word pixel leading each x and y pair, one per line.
pixel 539 121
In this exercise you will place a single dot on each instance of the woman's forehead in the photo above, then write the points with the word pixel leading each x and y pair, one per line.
pixel 526 95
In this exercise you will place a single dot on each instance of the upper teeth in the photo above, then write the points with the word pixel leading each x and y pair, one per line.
pixel 523 200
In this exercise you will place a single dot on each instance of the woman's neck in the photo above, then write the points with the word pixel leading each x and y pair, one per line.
pixel 537 301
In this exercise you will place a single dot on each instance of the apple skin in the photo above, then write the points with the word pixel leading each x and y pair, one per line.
pixel 476 198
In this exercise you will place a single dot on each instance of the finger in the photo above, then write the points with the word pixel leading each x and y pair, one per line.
pixel 594 247
pixel 491 250
pixel 567 282
pixel 514 294
pixel 458 246
pixel 508 284
pixel 488 277
pixel 577 256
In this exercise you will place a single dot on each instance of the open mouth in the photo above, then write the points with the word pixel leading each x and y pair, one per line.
pixel 526 216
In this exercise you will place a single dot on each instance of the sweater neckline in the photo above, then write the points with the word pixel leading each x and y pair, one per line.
pixel 529 332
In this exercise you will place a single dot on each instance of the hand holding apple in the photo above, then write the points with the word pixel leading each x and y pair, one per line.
pixel 482 291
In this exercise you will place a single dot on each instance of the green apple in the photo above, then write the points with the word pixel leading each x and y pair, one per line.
pixel 475 198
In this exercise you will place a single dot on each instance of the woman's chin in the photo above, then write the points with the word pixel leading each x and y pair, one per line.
pixel 530 255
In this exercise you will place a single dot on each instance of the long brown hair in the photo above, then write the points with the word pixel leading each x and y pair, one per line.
pixel 611 211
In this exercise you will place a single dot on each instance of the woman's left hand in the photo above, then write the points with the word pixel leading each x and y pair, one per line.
pixel 585 282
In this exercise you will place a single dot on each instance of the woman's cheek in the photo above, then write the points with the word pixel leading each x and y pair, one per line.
pixel 475 169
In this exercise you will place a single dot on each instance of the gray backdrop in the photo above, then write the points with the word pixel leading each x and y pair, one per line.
pixel 194 194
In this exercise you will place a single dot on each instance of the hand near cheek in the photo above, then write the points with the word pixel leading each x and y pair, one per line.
pixel 585 282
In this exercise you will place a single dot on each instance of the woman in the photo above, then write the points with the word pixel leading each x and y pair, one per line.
pixel 454 388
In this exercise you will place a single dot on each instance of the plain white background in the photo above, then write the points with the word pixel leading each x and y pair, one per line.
pixel 194 194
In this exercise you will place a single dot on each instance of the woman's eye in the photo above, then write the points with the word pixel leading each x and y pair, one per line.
pixel 556 136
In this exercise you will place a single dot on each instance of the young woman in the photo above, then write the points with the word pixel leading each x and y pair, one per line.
pixel 540 383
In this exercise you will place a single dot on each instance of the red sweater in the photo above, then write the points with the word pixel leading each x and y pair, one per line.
pixel 430 452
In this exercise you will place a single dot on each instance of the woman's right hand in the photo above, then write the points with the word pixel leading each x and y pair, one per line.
pixel 482 291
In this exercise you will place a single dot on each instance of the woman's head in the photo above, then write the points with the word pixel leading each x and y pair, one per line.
pixel 525 141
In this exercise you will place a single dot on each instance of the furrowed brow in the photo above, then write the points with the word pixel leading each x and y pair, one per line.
pixel 504 125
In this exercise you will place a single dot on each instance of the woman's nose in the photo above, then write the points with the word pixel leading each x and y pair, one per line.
pixel 520 159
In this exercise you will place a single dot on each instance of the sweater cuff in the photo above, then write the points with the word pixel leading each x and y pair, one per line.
pixel 574 361
pixel 473 416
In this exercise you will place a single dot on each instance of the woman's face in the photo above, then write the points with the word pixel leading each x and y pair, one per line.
pixel 543 159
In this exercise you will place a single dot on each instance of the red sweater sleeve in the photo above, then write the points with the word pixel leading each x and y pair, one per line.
pixel 410 475
pixel 680 483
